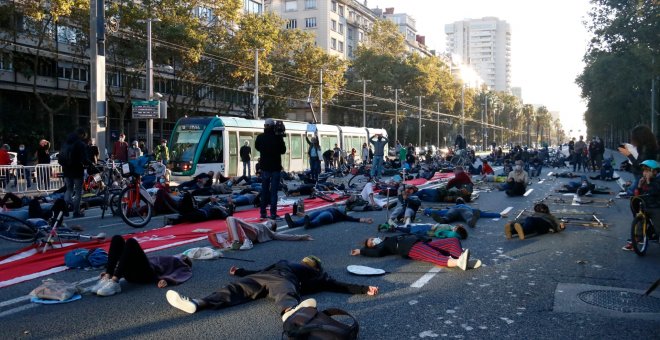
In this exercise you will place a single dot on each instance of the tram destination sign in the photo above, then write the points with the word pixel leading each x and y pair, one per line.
pixel 146 109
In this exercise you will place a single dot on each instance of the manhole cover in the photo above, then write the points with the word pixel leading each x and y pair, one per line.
pixel 622 301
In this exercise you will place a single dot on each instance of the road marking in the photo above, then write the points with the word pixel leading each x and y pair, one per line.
pixel 13 301
pixel 18 309
pixel 506 211
pixel 426 278
pixel 528 192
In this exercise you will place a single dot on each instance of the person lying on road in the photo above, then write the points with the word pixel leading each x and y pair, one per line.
pixel 247 233
pixel 323 217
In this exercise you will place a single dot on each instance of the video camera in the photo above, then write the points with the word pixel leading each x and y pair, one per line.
pixel 279 129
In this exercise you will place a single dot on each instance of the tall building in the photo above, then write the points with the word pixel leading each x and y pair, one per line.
pixel 485 45
pixel 517 92
pixel 407 27
pixel 339 26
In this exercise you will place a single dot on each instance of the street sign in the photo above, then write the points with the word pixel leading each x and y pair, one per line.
pixel 143 109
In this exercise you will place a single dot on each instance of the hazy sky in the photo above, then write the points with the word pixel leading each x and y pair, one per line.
pixel 548 41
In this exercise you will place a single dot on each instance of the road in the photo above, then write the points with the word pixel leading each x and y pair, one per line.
pixel 526 289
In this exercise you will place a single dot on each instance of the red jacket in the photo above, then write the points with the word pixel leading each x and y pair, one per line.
pixel 459 180
pixel 487 170
pixel 4 157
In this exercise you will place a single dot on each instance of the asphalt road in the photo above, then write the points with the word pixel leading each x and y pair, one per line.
pixel 521 291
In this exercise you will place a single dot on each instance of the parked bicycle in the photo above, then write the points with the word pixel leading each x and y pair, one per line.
pixel 136 205
pixel 642 228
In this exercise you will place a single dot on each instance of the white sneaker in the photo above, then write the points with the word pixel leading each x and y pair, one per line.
pixel 306 303
pixel 98 285
pixel 109 288
pixel 474 264
pixel 247 245
pixel 180 302
pixel 463 260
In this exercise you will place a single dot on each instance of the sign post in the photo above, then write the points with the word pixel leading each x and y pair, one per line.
pixel 146 109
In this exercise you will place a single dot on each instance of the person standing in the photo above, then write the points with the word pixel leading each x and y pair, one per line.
pixel 336 155
pixel 246 157
pixel 120 149
pixel 580 147
pixel 73 158
pixel 271 147
pixel 460 143
pixel 134 151
pixel 380 143
pixel 5 160
pixel 43 157
pixel 365 153
pixel 162 152
pixel 314 161
pixel 92 150
pixel 24 160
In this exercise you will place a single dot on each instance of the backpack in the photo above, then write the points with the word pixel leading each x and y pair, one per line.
pixel 309 323
pixel 65 156
pixel 83 258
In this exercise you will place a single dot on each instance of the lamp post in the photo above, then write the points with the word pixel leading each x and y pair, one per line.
pixel 150 84
pixel 364 100
pixel 396 114
pixel 419 132
pixel 255 114
pixel 321 97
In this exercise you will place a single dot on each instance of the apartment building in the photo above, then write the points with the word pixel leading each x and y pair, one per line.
pixel 485 45
pixel 407 27
pixel 338 25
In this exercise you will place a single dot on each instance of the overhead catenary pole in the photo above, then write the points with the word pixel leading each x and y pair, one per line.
pixel 463 110
pixel 364 100
pixel 150 88
pixel 255 114
pixel 321 97
pixel 97 75
pixel 438 134
pixel 396 114
pixel 419 132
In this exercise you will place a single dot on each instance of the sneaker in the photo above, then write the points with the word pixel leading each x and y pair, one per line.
pixel 588 194
pixel 308 222
pixel 475 216
pixel 289 220
pixel 519 230
pixel 462 260
pixel 628 247
pixel 460 200
pixel 95 288
pixel 474 264
pixel 247 245
pixel 181 302
pixel 306 303
pixel 109 288
pixel 231 208
pixel 507 231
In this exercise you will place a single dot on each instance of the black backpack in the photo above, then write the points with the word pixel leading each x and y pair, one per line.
pixel 309 323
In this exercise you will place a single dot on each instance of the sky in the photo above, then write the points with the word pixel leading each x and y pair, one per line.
pixel 548 41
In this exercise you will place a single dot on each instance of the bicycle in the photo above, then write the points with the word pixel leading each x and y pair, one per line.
pixel 41 232
pixel 642 227
pixel 136 206
pixel 111 191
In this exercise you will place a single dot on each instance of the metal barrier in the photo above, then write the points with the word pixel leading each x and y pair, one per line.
pixel 39 178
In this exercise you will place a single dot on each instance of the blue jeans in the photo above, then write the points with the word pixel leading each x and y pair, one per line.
pixel 458 214
pixel 315 167
pixel 429 195
pixel 377 166
pixel 270 183
pixel 73 187
pixel 246 165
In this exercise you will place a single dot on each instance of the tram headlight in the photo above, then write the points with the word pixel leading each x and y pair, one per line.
pixel 185 166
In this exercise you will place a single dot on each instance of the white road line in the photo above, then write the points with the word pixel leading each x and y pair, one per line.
pixel 426 278
pixel 18 309
pixel 528 192
pixel 13 301
pixel 506 211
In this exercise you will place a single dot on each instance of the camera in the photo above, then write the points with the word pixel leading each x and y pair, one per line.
pixel 279 129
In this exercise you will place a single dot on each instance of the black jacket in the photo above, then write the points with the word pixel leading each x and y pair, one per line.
pixel 393 245
pixel 307 280
pixel 79 159
pixel 245 152
pixel 271 148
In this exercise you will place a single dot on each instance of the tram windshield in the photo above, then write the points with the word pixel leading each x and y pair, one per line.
pixel 185 140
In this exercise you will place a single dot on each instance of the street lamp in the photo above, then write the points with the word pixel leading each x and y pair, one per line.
pixel 150 82
pixel 364 100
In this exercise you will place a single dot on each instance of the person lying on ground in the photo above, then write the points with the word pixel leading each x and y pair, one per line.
pixel 127 260
pixel 323 217
pixel 438 230
pixel 565 174
pixel 460 212
pixel 583 188
pixel 407 206
pixel 541 222
pixel 441 194
pixel 445 252
pixel 210 209
pixel 10 201
pixel 247 234
pixel 285 282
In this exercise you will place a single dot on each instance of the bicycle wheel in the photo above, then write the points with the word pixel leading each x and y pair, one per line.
pixel 134 208
pixel 638 235
pixel 358 180
pixel 114 203
pixel 15 230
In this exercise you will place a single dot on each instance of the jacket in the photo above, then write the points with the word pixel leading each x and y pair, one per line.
pixel 313 146
pixel 271 148
pixel 245 153
pixel 459 180
pixel 162 153
pixel 79 159
pixel 394 245
pixel 171 269
pixel 379 145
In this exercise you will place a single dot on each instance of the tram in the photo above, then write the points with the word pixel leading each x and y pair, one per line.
pixel 202 144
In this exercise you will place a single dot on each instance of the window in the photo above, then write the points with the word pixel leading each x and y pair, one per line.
pixel 77 72
pixel 310 22
pixel 292 23
pixel 341 28
pixel 360 36
pixel 252 6
pixel 296 147
pixel 333 43
pixel 341 11
pixel 350 33
pixel 5 61
pixel 68 35
pixel 341 46
pixel 291 5
pixel 333 25
pixel 310 4
pixel 333 6
pixel 212 152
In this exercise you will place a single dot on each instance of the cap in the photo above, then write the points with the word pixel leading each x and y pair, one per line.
pixel 312 261
pixel 269 121
pixel 650 164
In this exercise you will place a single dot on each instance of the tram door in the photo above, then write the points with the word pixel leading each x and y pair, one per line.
pixel 233 154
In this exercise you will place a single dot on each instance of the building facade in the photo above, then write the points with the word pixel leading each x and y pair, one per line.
pixel 485 45
pixel 407 27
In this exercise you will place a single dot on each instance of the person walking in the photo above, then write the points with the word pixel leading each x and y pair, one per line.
pixel 73 158
pixel 162 152
pixel 380 143
pixel 271 147
pixel 120 149
pixel 246 157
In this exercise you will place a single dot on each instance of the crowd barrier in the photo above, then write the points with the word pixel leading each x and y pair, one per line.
pixel 41 178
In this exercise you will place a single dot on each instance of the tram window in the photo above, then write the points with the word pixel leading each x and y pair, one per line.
pixel 212 152
pixel 296 146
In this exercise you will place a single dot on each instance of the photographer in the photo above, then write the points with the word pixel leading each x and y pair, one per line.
pixel 271 147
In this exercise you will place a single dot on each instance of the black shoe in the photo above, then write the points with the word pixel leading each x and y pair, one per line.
pixel 275 217
pixel 440 219
pixel 475 216
pixel 289 220
pixel 78 215
pixel 308 223
pixel 263 217
pixel 230 209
